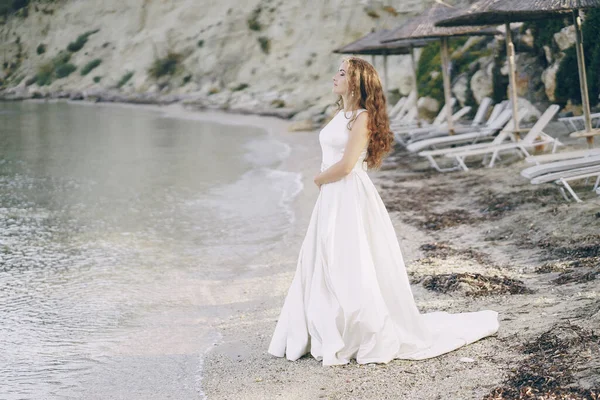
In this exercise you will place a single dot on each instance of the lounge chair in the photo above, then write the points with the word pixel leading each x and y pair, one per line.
pixel 472 137
pixel 563 155
pixel 417 135
pixel 535 137
pixel 563 178
pixel 577 124
pixel 558 166
pixel 502 137
pixel 411 132
pixel 400 117
pixel 397 107
pixel 439 119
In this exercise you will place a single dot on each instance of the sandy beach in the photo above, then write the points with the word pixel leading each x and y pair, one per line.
pixel 483 239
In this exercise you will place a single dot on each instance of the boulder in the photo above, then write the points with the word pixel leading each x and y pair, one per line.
pixel 481 85
pixel 527 38
pixel 303 125
pixel 76 96
pixel 532 112
pixel 460 89
pixel 428 107
pixel 549 79
pixel 565 38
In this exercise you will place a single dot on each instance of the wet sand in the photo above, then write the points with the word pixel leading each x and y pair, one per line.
pixel 483 239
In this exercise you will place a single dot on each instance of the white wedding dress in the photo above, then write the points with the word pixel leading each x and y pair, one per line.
pixel 350 296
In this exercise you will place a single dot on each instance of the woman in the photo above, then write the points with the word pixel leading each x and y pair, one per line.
pixel 351 297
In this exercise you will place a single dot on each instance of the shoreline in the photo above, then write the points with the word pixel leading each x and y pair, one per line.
pixel 493 240
pixel 200 103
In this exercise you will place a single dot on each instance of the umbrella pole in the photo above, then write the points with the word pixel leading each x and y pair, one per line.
pixel 446 77
pixel 585 100
pixel 414 76
pixel 510 55
pixel 385 74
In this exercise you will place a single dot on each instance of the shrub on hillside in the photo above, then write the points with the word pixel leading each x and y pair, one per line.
pixel 90 66
pixel 124 79
pixel 253 23
pixel 8 7
pixel 80 41
pixel 265 44
pixel 429 74
pixel 165 66
pixel 64 70
pixel 45 74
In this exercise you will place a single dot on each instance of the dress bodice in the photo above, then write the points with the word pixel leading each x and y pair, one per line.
pixel 334 137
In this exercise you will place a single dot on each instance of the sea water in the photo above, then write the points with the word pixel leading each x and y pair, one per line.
pixel 116 224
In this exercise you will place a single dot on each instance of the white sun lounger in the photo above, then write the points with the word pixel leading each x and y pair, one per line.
pixel 401 116
pixel 563 155
pixel 563 178
pixel 558 166
pixel 485 104
pixel 576 123
pixel 445 141
pixel 395 125
pixel 535 137
pixel 417 135
pixel 503 136
pixel 412 131
pixel 396 108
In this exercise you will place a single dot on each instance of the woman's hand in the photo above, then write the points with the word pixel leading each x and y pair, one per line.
pixel 317 181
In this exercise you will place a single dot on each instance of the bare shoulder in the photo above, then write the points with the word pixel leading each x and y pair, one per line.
pixel 361 121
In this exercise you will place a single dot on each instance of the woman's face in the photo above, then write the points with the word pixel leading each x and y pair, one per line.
pixel 340 83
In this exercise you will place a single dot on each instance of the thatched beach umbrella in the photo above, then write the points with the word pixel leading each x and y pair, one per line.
pixel 507 11
pixel 370 44
pixel 423 27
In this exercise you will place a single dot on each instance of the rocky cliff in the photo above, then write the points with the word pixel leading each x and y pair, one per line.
pixel 262 55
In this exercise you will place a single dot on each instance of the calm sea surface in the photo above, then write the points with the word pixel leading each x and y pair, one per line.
pixel 113 222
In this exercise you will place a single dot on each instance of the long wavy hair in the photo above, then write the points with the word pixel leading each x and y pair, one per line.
pixel 365 91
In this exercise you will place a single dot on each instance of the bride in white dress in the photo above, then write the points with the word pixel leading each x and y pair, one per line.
pixel 350 297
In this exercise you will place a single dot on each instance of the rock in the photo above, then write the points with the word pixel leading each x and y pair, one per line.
pixel 76 96
pixel 316 112
pixel 565 38
pixel 400 73
pixel 532 112
pixel 549 79
pixel 481 85
pixel 460 88
pixel 299 126
pixel 428 107
pixel 529 78
pixel 527 38
pixel 466 359
pixel 548 54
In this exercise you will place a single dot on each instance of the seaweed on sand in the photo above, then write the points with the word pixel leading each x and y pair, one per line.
pixel 474 284
pixel 443 251
pixel 447 219
pixel 577 260
pixel 557 362
pixel 494 205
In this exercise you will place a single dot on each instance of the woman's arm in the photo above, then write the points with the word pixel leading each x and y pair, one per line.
pixel 357 141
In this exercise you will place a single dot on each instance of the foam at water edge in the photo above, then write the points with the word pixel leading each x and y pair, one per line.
pixel 217 339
